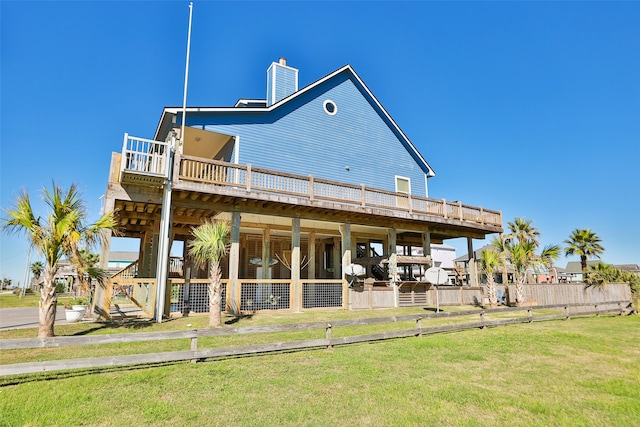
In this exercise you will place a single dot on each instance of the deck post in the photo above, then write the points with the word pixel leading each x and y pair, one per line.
pixel 345 235
pixel 336 258
pixel 393 263
pixel 100 294
pixel 311 269
pixel 164 245
pixel 266 253
pixel 295 264
pixel 233 297
pixel 426 243
pixel 473 276
pixel 248 177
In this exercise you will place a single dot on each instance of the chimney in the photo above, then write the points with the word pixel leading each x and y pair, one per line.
pixel 282 81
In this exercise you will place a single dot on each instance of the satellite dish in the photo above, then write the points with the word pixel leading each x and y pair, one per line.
pixel 355 270
pixel 436 276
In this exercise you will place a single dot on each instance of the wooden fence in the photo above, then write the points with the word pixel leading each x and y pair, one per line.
pixel 618 307
pixel 417 293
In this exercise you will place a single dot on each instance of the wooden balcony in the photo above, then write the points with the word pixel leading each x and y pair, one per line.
pixel 202 188
pixel 144 161
pixel 248 179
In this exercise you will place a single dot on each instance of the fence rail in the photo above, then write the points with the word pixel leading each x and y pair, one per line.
pixel 621 308
pixel 220 173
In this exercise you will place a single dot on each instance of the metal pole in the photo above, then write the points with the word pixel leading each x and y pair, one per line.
pixel 26 273
pixel 186 78
pixel 165 222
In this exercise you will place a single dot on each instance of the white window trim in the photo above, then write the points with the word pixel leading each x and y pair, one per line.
pixel 406 179
pixel 324 105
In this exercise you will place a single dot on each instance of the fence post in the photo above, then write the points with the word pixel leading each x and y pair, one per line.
pixel 444 208
pixel 311 195
pixel 419 326
pixel 597 311
pixel 482 319
pixel 194 347
pixel 566 312
pixel 328 335
pixel 530 314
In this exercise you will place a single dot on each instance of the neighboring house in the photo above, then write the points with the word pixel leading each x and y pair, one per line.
pixel 573 271
pixel 632 268
pixel 119 260
pixel 68 276
pixel 443 256
pixel 311 181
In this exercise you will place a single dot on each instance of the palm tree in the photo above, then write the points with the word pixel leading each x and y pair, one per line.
pixel 601 274
pixel 210 245
pixel 62 232
pixel 585 243
pixel 85 263
pixel 490 262
pixel 521 230
pixel 37 268
pixel 518 248
pixel 500 245
pixel 522 256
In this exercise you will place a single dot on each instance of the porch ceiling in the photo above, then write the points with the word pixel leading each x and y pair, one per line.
pixel 203 143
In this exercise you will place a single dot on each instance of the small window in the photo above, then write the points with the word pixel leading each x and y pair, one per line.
pixel 403 186
pixel 330 107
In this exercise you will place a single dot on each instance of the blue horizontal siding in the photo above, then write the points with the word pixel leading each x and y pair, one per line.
pixel 300 137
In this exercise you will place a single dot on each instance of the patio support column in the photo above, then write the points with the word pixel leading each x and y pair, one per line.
pixel 164 245
pixel 233 297
pixel 336 257
pixel 295 264
pixel 393 263
pixel 426 243
pixel 187 265
pixel 345 234
pixel 266 253
pixel 473 278
pixel 312 256
pixel 367 254
pixel 100 292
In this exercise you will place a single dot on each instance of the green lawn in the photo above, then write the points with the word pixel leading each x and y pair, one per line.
pixel 29 300
pixel 585 371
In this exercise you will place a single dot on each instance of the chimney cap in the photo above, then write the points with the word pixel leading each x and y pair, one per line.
pixel 283 61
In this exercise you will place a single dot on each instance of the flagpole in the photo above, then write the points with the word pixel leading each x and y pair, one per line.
pixel 164 248
pixel 186 77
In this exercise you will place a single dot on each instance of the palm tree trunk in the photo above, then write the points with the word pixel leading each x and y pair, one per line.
pixel 47 306
pixel 215 295
pixel 492 295
pixel 519 281
pixel 583 263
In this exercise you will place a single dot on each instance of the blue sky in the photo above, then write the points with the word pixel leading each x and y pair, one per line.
pixel 532 108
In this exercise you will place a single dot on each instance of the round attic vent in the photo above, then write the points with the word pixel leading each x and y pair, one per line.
pixel 330 107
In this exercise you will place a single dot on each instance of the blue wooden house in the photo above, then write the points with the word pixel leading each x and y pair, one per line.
pixel 313 180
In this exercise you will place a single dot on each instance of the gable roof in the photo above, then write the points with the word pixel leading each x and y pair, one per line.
pixel 575 267
pixel 165 119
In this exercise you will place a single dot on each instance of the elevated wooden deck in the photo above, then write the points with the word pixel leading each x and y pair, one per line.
pixel 203 187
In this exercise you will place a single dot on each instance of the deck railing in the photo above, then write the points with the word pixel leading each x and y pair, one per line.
pixel 214 172
pixel 145 156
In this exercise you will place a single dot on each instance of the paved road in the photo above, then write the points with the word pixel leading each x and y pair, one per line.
pixel 26 317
